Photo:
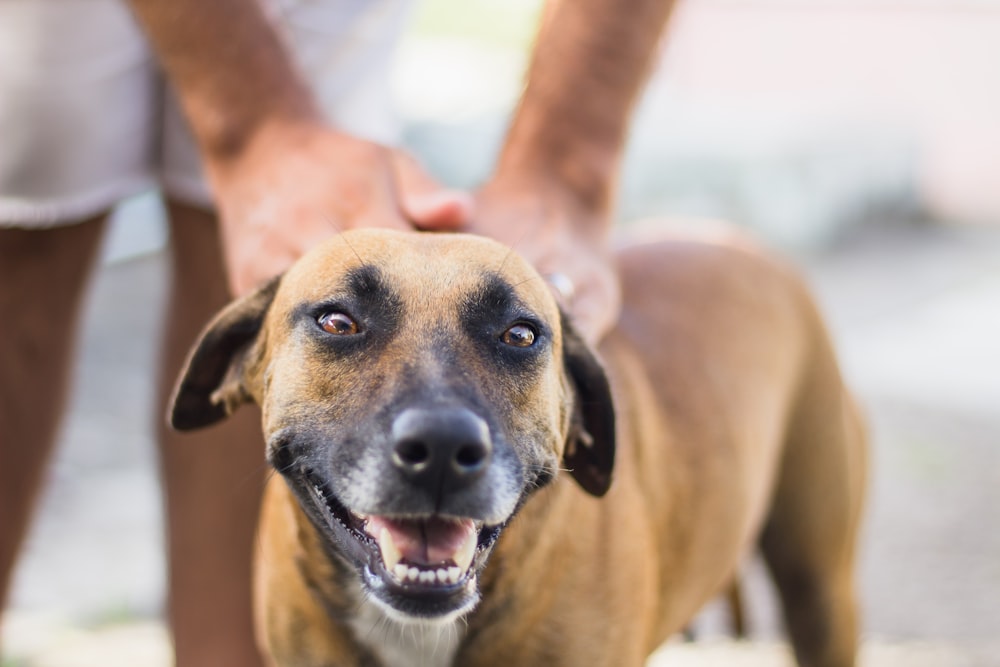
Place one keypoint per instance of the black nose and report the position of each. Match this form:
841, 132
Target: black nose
441, 449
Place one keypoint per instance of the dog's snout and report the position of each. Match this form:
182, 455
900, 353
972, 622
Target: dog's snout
441, 449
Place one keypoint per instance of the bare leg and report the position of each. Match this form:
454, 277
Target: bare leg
212, 478
43, 274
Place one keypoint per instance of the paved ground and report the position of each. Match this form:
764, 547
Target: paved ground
916, 314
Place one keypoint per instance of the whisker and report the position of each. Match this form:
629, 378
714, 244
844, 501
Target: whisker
437, 640
340, 232
402, 633
546, 468
386, 626
332, 224
286, 468
373, 627
527, 280
250, 476
514, 246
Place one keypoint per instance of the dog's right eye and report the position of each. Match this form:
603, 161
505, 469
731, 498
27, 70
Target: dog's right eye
338, 324
519, 335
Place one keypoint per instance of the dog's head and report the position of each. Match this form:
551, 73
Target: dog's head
415, 389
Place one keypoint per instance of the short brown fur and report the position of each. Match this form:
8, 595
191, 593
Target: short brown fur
734, 429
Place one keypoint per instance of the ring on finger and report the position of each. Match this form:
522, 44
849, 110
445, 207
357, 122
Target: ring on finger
562, 285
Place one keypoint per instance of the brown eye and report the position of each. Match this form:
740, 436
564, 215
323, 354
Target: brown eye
519, 335
338, 324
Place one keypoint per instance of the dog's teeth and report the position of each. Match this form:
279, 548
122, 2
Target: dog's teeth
321, 499
442, 575
391, 554
463, 556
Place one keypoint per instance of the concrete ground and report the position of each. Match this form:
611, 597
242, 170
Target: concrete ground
915, 311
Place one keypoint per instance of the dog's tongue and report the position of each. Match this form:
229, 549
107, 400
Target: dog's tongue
424, 542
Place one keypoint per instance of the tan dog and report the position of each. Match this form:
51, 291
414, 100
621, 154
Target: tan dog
443, 439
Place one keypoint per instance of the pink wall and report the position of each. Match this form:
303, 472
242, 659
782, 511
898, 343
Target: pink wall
929, 67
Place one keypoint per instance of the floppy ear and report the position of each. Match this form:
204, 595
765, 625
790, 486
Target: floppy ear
590, 447
211, 385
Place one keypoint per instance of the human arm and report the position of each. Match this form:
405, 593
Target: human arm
283, 179
552, 193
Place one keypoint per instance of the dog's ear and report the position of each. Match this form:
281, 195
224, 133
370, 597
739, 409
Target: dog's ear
211, 385
590, 447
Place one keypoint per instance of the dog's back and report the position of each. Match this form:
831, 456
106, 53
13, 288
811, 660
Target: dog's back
735, 431
750, 403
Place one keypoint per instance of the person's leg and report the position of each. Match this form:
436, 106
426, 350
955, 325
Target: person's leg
212, 478
43, 274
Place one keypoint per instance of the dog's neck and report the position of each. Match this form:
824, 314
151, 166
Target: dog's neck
403, 642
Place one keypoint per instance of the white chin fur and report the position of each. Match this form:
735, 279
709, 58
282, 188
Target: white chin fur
429, 642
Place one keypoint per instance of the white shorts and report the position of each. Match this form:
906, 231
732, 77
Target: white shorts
85, 119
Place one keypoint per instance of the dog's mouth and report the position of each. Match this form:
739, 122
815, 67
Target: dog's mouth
423, 566
432, 551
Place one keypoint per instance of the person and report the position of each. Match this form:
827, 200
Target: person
287, 145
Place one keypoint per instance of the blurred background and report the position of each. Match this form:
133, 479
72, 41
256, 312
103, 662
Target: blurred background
859, 137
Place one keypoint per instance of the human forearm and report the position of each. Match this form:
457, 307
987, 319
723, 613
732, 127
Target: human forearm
282, 178
228, 66
551, 194
590, 62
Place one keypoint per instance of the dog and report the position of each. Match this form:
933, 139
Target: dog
445, 444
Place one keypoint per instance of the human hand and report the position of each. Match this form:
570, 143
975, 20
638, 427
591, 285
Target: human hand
295, 185
566, 243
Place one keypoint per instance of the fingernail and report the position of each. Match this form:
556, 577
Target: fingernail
450, 205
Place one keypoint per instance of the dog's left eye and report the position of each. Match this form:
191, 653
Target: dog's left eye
338, 324
519, 335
